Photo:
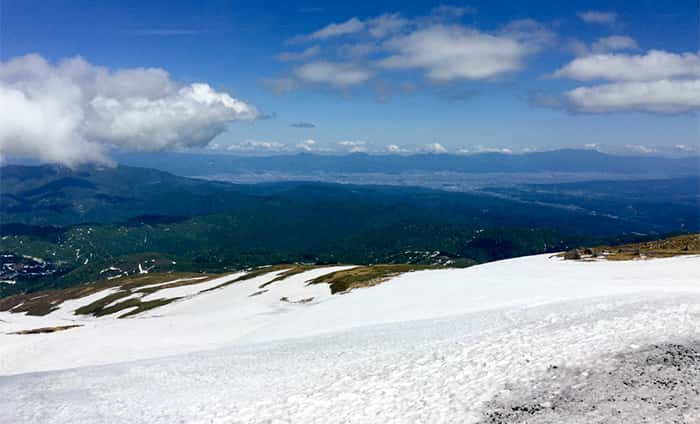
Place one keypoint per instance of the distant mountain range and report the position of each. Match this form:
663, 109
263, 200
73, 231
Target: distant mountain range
568, 161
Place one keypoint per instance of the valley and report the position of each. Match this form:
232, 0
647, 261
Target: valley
61, 227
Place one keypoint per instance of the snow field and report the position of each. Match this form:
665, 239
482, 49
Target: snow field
424, 347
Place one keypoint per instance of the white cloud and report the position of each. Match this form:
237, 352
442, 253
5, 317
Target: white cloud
436, 43
69, 112
614, 43
610, 44
598, 17
302, 124
578, 47
305, 54
686, 148
456, 52
352, 143
377, 27
350, 26
337, 74
654, 65
354, 146
484, 149
663, 96
395, 148
386, 24
434, 148
531, 34
257, 146
658, 81
638, 148
306, 145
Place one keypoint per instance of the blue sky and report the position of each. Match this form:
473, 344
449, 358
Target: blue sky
368, 84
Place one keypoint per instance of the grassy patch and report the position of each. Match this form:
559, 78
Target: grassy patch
688, 244
366, 276
293, 270
248, 275
44, 330
289, 270
144, 306
257, 272
135, 305
184, 281
99, 305
44, 302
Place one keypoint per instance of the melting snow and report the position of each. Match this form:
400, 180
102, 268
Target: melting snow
429, 346
190, 289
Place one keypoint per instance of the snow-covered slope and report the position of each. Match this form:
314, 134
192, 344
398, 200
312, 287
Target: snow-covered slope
201, 320
427, 346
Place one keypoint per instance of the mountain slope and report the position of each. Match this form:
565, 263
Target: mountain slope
61, 227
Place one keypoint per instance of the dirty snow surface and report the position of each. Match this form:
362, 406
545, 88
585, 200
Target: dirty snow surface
527, 340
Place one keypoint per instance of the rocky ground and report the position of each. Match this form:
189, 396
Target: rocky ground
654, 384
687, 244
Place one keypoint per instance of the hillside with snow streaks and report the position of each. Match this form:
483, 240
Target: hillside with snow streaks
453, 345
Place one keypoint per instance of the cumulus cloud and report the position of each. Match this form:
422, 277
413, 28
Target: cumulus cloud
350, 26
638, 148
257, 146
302, 124
378, 27
654, 65
386, 24
484, 149
686, 148
614, 43
436, 43
336, 74
354, 146
532, 35
598, 17
70, 112
306, 145
608, 44
658, 82
450, 52
663, 96
396, 149
434, 148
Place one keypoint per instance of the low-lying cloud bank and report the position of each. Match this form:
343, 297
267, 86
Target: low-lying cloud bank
72, 111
